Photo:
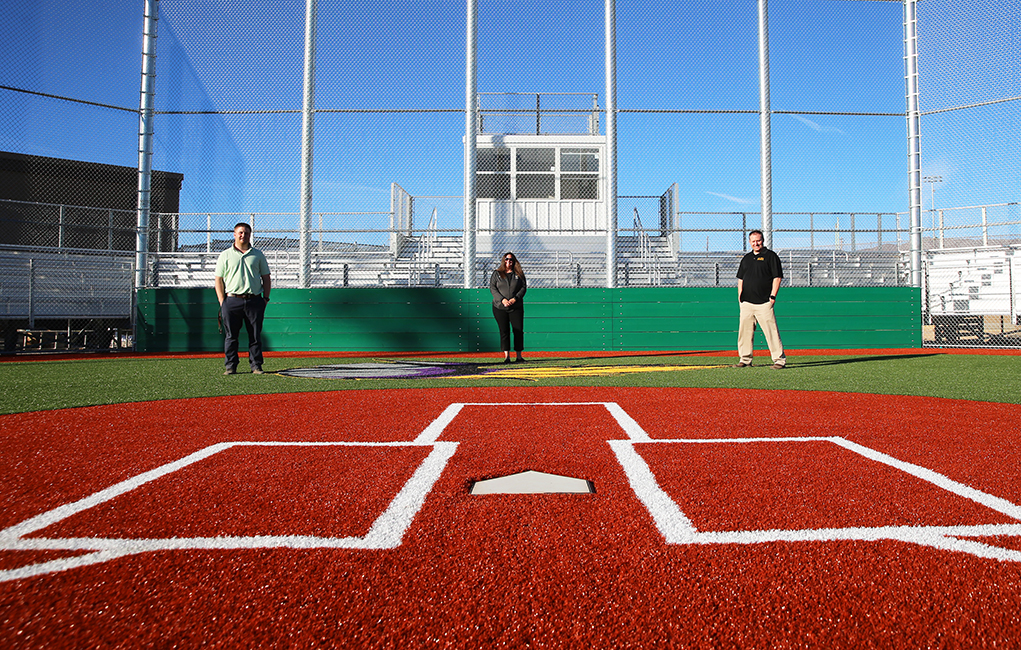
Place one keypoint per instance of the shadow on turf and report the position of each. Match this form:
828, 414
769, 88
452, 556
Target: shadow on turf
796, 364
838, 362
632, 355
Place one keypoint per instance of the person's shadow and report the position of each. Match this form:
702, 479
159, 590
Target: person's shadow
838, 362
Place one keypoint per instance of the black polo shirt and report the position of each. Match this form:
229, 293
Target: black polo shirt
758, 272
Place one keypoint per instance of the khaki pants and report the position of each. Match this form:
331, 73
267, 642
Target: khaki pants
764, 316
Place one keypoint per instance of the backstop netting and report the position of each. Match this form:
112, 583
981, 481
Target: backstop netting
386, 163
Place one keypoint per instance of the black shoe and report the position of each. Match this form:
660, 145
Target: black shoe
519, 359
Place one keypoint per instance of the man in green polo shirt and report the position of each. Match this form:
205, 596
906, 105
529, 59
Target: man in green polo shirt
242, 287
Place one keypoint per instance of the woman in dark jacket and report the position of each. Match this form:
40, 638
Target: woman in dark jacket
508, 288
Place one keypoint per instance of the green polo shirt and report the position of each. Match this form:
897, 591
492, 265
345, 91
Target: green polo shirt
242, 272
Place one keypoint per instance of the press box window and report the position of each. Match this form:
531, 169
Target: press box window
492, 180
536, 160
493, 186
536, 186
535, 177
579, 188
532, 173
579, 160
576, 186
493, 160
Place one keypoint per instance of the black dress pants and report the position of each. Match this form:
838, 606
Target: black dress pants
235, 311
506, 320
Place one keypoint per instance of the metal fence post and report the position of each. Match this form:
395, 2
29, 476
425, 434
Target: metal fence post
914, 138
611, 143
471, 125
307, 143
765, 159
31, 293
538, 114
60, 227
145, 133
985, 231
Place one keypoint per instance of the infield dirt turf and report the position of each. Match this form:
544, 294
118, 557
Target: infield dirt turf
232, 557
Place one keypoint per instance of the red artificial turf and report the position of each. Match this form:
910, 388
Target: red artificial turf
551, 571
247, 490
799, 485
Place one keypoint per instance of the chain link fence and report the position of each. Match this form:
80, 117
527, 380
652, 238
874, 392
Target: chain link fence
389, 129
970, 103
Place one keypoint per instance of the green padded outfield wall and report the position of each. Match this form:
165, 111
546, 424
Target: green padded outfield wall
461, 320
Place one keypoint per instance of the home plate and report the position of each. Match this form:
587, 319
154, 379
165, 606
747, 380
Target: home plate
532, 482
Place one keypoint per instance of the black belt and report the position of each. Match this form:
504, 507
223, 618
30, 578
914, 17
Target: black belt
246, 296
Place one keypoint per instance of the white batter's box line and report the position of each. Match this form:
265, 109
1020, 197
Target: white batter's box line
386, 532
435, 429
677, 528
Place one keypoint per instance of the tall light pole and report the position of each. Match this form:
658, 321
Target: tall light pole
932, 180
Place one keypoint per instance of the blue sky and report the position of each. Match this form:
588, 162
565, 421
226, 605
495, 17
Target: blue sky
826, 56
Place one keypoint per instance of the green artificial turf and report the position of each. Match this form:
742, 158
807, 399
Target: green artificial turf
44, 385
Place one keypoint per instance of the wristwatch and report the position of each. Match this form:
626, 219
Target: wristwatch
772, 297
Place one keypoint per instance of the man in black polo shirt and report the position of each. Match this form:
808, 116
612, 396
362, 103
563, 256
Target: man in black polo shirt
758, 280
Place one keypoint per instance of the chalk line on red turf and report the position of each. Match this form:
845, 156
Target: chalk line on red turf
388, 529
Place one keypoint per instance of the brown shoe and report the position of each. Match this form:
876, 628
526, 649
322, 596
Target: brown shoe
230, 371
741, 365
778, 366
258, 371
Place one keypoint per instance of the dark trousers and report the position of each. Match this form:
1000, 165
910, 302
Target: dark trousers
506, 320
234, 311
